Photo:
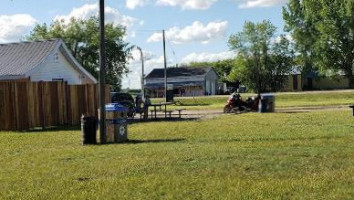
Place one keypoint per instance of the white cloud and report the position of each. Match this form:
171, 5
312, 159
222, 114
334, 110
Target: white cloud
261, 3
197, 32
184, 4
187, 4
133, 34
151, 61
208, 57
14, 27
136, 59
132, 4
88, 10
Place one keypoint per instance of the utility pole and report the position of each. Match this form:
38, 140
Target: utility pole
259, 79
102, 75
165, 63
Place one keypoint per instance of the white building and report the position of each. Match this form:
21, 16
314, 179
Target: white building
47, 60
186, 81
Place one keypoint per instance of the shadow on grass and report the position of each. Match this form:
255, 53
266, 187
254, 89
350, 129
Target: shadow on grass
54, 129
196, 104
292, 112
172, 119
154, 141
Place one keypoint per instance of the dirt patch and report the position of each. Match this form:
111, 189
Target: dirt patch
187, 115
311, 108
209, 114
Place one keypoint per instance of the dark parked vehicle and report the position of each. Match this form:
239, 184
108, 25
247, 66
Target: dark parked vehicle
126, 100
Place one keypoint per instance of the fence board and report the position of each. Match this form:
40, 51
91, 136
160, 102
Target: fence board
25, 105
4, 106
22, 116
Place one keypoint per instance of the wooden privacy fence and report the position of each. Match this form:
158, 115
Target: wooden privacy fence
25, 105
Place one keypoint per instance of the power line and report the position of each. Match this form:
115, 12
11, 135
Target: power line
173, 51
148, 31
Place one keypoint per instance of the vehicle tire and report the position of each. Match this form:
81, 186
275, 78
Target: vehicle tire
227, 109
235, 110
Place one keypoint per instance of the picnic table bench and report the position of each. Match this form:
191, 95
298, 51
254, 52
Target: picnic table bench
171, 111
159, 105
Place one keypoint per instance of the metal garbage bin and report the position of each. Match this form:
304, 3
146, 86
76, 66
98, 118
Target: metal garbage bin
88, 129
266, 103
169, 94
116, 123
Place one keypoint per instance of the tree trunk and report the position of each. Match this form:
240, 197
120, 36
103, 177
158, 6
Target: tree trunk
349, 75
350, 80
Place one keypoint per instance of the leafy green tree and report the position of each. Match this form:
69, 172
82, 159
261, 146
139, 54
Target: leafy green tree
330, 33
282, 64
336, 44
246, 71
302, 28
82, 38
222, 67
262, 61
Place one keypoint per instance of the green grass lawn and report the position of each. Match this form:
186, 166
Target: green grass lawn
248, 156
282, 100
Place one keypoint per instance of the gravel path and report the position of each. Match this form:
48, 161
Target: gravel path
207, 114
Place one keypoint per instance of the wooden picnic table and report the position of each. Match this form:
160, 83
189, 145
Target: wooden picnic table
159, 105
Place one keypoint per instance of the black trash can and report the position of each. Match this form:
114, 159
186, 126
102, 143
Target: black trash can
263, 104
88, 129
267, 103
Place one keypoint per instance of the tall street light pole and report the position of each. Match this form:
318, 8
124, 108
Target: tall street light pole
102, 74
142, 72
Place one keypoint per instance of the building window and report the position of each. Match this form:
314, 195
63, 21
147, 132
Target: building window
58, 80
56, 57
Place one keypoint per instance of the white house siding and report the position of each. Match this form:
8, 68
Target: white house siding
196, 85
187, 90
208, 87
56, 66
211, 79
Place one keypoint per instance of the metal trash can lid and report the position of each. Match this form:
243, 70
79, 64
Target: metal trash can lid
115, 107
267, 96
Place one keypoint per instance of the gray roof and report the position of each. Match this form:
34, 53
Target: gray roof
17, 59
179, 71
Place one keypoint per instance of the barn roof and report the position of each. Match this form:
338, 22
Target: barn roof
178, 71
19, 60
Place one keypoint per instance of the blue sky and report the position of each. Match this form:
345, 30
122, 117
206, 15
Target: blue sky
196, 30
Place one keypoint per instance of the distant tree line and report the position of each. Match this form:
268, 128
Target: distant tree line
262, 61
321, 40
323, 33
